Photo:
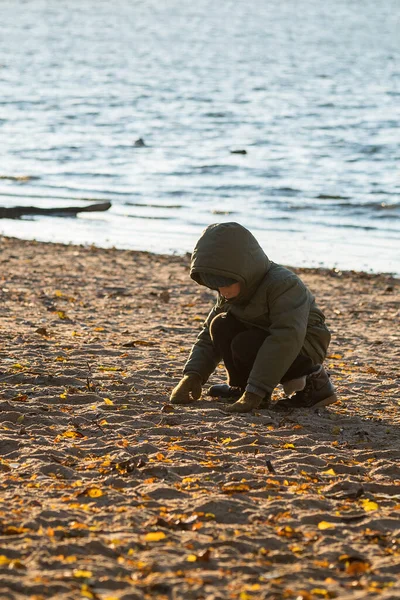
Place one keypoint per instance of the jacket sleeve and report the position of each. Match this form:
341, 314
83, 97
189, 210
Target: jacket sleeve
288, 306
203, 358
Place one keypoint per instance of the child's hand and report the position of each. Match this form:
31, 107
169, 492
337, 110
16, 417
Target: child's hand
189, 384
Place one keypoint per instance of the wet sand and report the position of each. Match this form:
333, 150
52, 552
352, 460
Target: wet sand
109, 492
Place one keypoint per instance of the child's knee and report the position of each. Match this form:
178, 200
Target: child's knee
218, 326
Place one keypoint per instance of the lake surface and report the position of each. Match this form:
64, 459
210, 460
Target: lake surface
310, 89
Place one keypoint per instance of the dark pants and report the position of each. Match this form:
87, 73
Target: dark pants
239, 346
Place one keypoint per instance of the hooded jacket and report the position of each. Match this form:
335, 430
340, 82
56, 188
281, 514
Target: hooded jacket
272, 298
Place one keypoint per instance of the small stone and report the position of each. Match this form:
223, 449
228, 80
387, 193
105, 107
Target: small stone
42, 331
165, 296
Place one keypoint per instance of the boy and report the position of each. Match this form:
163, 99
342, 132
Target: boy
265, 326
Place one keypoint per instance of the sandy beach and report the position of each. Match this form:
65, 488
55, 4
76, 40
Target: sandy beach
109, 492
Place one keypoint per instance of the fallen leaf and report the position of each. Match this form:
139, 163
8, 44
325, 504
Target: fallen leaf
92, 492
82, 573
20, 398
231, 488
329, 472
154, 536
134, 343
354, 565
321, 593
369, 505
203, 556
72, 434
326, 525
11, 530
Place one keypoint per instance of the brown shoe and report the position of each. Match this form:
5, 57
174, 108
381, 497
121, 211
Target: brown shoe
318, 391
245, 404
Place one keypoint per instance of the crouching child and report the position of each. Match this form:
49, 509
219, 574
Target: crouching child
265, 327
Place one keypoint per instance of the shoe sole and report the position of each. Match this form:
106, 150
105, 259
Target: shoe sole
330, 400
224, 395
286, 406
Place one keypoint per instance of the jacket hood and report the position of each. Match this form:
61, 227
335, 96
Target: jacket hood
230, 250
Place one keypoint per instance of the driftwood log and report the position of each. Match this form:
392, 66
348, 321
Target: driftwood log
16, 212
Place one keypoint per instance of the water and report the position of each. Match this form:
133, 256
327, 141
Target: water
310, 89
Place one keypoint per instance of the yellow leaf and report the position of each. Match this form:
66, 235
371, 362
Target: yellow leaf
85, 592
288, 446
94, 492
369, 505
226, 440
191, 558
321, 592
187, 480
329, 472
326, 525
61, 314
108, 401
230, 488
70, 559
81, 573
154, 536
254, 587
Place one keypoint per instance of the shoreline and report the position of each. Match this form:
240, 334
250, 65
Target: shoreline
108, 491
329, 271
